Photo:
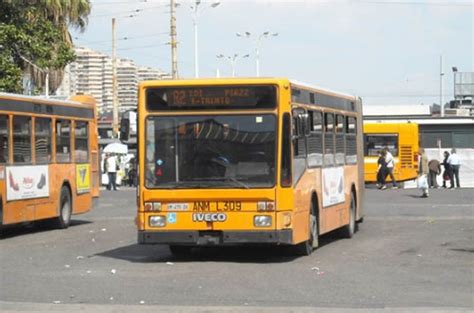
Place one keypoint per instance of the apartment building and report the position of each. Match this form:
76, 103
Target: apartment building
91, 73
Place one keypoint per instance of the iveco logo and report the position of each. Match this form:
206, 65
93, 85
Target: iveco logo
209, 217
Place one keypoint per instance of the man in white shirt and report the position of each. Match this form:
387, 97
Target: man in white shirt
455, 163
390, 165
111, 162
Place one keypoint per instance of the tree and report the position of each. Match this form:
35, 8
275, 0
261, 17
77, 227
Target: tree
36, 32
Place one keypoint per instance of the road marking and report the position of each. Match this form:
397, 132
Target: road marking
46, 307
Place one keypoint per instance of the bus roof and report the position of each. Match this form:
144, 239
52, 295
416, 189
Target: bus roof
323, 90
245, 80
13, 96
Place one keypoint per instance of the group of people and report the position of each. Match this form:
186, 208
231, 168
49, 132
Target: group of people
112, 166
451, 165
385, 165
429, 171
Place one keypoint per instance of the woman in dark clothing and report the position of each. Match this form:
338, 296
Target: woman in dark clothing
448, 173
381, 170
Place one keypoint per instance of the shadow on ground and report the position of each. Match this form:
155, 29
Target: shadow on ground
33, 228
235, 254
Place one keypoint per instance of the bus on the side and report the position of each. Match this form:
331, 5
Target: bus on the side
401, 139
48, 158
247, 161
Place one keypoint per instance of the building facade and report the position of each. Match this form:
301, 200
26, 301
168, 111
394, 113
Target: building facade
91, 73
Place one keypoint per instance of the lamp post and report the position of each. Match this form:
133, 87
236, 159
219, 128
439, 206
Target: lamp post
257, 41
196, 11
232, 59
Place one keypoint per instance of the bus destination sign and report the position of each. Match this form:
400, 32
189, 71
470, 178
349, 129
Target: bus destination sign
210, 97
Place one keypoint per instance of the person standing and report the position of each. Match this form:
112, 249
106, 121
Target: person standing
422, 180
132, 172
447, 169
112, 172
390, 161
434, 170
454, 163
381, 170
105, 169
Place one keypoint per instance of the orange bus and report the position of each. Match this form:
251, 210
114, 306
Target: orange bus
247, 161
401, 139
48, 158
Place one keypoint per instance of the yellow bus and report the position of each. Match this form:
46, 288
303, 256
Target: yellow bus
247, 161
48, 158
401, 139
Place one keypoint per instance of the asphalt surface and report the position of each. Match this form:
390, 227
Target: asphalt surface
410, 254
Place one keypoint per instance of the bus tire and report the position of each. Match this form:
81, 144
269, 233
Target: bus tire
349, 230
306, 247
65, 209
180, 251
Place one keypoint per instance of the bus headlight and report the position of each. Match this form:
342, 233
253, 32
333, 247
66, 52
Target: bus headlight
157, 221
262, 221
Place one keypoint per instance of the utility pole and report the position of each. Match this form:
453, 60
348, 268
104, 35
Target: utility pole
174, 44
115, 125
441, 74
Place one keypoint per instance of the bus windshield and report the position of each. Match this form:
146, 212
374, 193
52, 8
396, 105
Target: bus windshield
210, 151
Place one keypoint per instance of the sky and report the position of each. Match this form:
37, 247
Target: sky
387, 52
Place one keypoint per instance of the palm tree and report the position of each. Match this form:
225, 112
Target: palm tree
63, 14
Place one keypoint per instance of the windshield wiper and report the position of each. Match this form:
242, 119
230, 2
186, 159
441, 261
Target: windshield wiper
236, 181
222, 179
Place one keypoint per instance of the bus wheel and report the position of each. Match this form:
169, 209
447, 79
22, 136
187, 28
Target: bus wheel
306, 247
180, 251
349, 230
65, 209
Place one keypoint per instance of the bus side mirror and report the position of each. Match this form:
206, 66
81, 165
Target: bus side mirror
124, 129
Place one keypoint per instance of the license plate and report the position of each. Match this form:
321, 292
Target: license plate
216, 206
177, 206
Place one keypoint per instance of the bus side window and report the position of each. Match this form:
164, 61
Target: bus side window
351, 140
340, 151
21, 139
298, 134
329, 139
4, 137
315, 139
286, 175
81, 137
43, 140
63, 141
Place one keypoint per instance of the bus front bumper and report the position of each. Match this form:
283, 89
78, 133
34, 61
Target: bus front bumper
207, 238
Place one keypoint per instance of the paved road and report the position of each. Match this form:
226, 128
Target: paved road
409, 253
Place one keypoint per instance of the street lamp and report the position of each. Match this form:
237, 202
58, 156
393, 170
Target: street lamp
232, 59
257, 41
196, 11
